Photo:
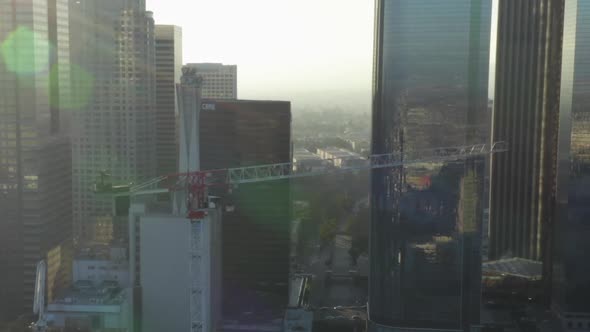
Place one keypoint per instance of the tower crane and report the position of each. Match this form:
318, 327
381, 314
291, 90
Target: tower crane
193, 187
196, 183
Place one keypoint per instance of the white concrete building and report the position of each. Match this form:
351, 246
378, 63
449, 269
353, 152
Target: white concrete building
219, 81
99, 299
91, 308
303, 160
342, 157
99, 270
168, 277
176, 267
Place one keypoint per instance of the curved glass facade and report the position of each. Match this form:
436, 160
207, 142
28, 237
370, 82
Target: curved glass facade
526, 108
430, 91
571, 270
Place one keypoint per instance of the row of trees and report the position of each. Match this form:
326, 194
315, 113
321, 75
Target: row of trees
358, 227
330, 200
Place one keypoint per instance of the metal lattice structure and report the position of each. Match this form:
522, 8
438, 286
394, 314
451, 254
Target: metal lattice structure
259, 173
195, 272
197, 183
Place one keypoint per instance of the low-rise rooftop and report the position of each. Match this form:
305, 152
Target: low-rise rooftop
84, 293
300, 154
517, 267
332, 152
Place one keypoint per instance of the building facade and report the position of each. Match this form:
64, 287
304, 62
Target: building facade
430, 90
219, 81
571, 270
177, 294
525, 108
114, 125
256, 221
85, 307
98, 269
35, 152
168, 71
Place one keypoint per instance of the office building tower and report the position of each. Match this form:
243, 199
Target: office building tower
168, 71
219, 81
571, 263
525, 115
430, 90
169, 292
114, 126
255, 232
35, 152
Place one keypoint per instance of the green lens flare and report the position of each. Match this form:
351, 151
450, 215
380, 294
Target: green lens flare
25, 51
265, 206
79, 93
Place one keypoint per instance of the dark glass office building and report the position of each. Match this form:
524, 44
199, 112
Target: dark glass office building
430, 90
35, 152
571, 266
256, 221
526, 108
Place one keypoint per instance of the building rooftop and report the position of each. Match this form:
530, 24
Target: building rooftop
298, 320
341, 153
300, 154
243, 101
84, 293
356, 136
340, 313
236, 326
101, 252
517, 267
208, 65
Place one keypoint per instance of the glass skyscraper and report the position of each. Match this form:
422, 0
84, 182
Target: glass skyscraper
168, 40
255, 233
430, 90
526, 107
35, 152
115, 120
571, 267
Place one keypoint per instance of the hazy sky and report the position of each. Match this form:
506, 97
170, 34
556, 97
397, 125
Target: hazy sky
307, 51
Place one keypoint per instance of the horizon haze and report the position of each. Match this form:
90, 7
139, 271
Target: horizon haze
311, 47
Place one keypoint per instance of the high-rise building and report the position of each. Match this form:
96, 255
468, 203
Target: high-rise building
114, 126
169, 292
168, 71
35, 152
219, 81
571, 263
430, 86
525, 114
255, 232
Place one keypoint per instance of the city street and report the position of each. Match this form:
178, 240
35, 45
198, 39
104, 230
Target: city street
338, 291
